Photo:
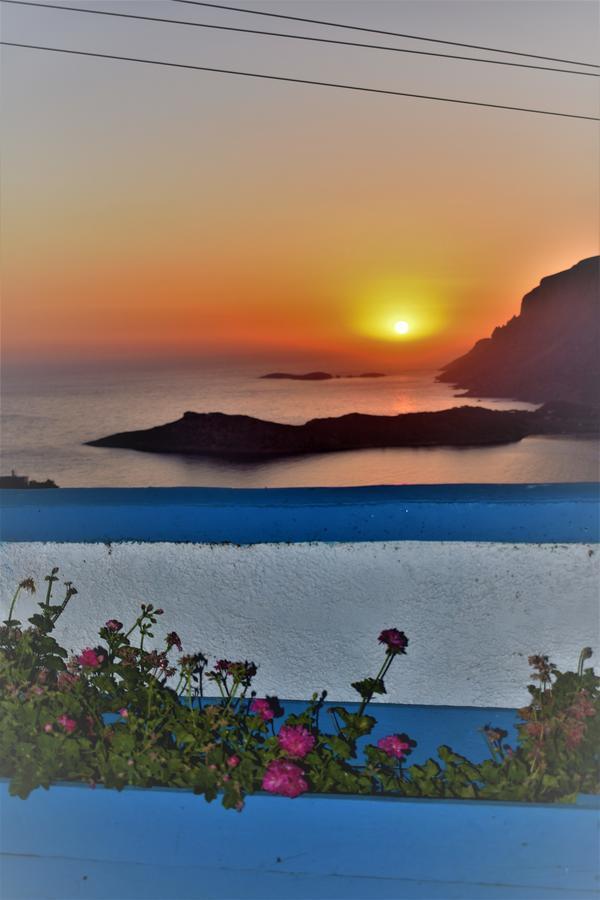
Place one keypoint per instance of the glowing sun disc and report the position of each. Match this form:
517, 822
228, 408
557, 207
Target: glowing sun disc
401, 327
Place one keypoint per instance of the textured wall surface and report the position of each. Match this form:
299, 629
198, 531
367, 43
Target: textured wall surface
310, 613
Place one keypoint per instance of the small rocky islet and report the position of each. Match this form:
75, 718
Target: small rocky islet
318, 376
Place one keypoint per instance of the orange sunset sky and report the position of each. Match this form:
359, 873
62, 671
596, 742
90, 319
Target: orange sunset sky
151, 213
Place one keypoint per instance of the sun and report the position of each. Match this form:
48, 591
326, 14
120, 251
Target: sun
401, 327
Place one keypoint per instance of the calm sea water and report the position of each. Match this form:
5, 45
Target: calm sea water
47, 418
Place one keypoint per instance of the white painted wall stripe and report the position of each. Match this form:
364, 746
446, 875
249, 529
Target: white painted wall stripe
310, 614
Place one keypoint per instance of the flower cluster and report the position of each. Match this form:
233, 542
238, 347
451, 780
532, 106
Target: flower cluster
173, 640
542, 668
266, 708
91, 659
242, 672
285, 778
127, 713
295, 740
397, 745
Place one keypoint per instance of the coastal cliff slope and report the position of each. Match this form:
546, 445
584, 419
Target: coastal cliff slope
550, 351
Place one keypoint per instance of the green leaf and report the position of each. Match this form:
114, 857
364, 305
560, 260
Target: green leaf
368, 687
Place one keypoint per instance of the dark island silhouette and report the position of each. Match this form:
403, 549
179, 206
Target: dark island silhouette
229, 436
550, 351
319, 376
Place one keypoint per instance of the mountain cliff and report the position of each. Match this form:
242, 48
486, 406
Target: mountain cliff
550, 351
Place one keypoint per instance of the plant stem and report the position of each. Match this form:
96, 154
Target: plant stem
57, 615
135, 625
386, 664
585, 654
12, 605
149, 702
51, 581
232, 693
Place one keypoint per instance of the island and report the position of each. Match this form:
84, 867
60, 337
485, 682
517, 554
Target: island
549, 351
307, 376
238, 436
319, 376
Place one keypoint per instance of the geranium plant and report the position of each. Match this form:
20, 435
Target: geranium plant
125, 712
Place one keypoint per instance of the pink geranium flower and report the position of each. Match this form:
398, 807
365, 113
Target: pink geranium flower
48, 727
68, 724
124, 713
395, 641
397, 745
296, 740
113, 625
89, 658
285, 778
233, 761
263, 709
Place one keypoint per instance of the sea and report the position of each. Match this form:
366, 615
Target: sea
46, 418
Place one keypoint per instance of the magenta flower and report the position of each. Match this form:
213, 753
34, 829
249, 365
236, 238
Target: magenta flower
68, 724
233, 761
48, 727
124, 713
263, 709
285, 778
90, 659
113, 625
395, 641
397, 745
296, 740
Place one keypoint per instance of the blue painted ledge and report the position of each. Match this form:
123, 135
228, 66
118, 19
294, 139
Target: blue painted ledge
553, 513
71, 842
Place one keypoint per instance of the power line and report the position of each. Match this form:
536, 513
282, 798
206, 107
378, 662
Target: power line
297, 37
290, 80
413, 37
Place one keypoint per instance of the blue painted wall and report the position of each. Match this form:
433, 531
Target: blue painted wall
154, 844
458, 727
556, 513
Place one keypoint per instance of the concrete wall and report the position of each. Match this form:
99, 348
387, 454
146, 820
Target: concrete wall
310, 613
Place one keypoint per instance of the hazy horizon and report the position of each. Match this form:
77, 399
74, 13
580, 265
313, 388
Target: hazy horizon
155, 215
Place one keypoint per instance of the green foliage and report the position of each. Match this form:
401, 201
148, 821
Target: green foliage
122, 714
559, 739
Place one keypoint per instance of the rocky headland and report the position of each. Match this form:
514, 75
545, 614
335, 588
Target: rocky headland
550, 351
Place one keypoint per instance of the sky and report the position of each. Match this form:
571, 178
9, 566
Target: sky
156, 214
